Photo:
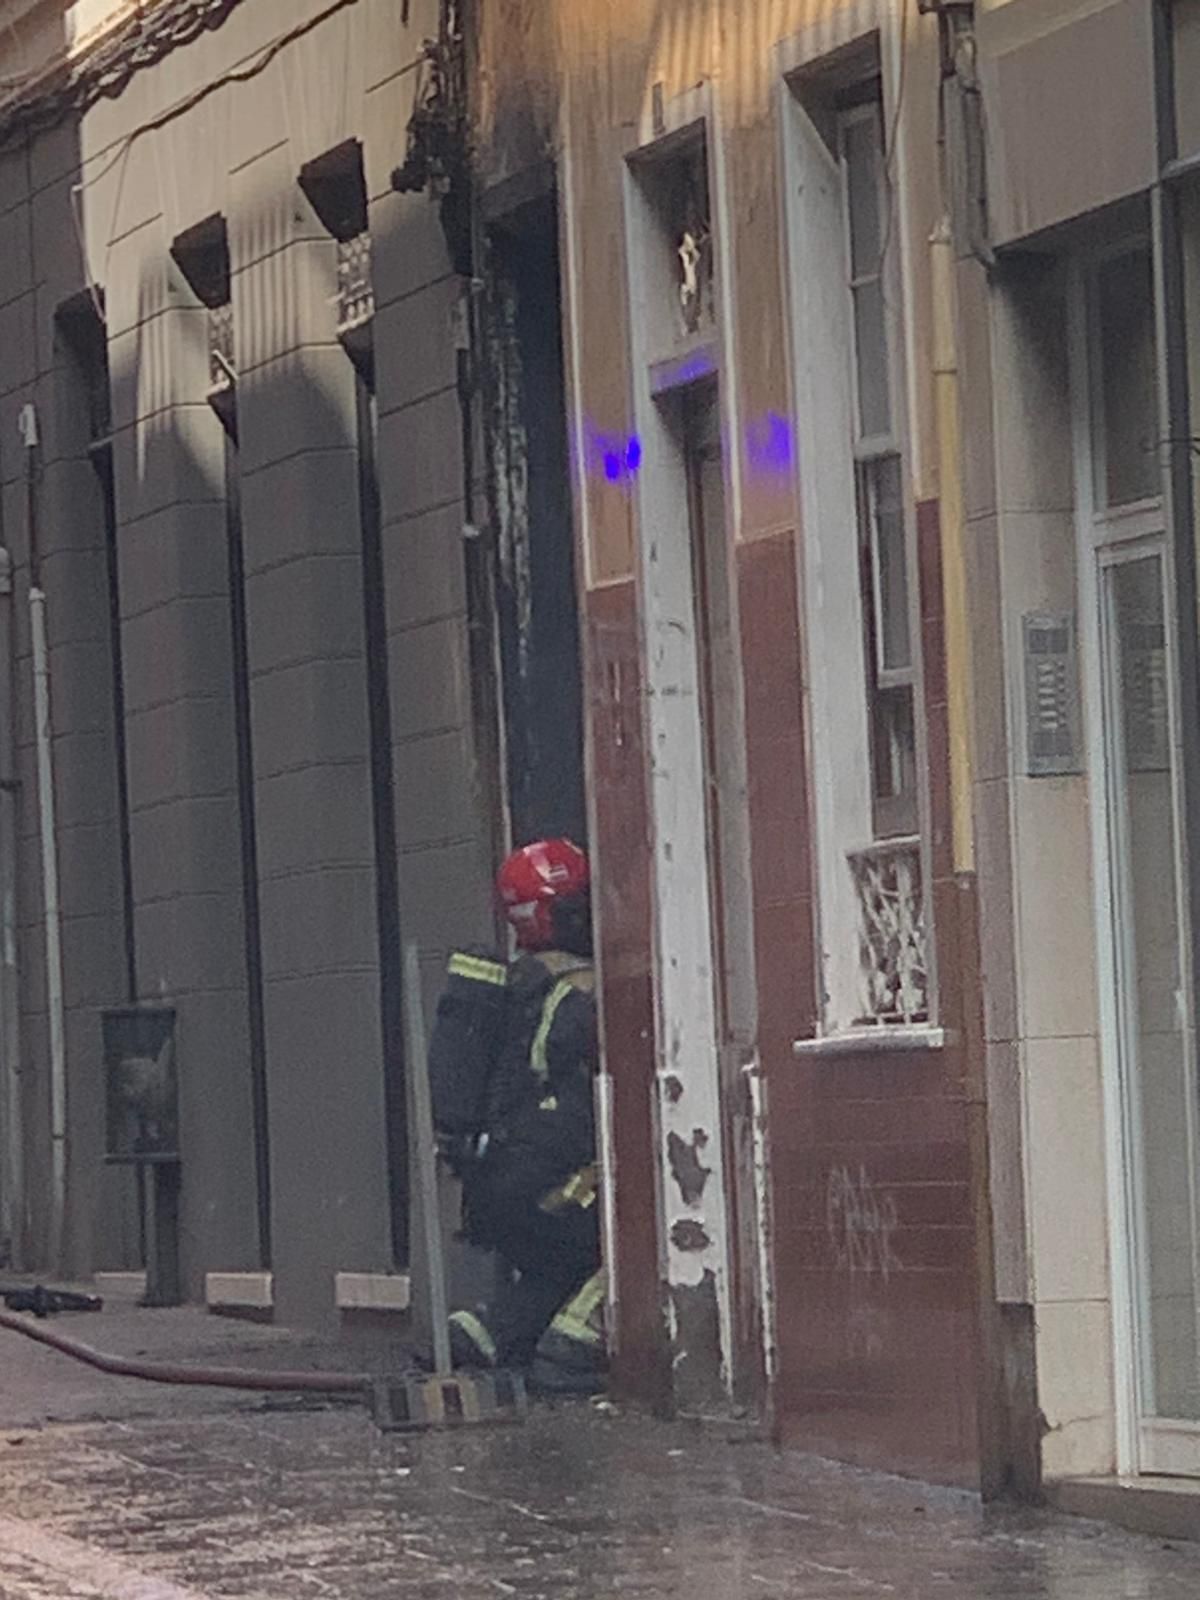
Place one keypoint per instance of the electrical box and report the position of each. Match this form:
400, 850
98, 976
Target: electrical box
141, 1085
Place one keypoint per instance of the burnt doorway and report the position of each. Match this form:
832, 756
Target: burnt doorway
529, 479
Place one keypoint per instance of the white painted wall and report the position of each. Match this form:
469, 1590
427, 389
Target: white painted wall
689, 1102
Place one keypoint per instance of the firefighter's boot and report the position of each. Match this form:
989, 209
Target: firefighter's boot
570, 1357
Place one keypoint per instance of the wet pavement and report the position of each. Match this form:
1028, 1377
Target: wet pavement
267, 1501
39, 1385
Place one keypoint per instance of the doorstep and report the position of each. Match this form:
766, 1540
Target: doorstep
1163, 1508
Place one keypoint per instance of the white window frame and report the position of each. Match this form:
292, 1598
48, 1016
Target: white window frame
869, 447
871, 451
832, 449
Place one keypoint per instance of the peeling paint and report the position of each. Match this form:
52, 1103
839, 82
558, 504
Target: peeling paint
690, 1234
673, 1089
687, 1169
696, 1345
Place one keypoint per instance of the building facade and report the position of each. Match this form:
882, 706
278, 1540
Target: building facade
751, 438
880, 369
237, 497
1078, 367
765, 455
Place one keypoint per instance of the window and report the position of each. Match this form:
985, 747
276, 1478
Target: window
882, 527
859, 589
1125, 404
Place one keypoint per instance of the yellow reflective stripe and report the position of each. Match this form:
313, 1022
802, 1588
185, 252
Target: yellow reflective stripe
591, 1297
478, 970
579, 1189
571, 1328
574, 1320
467, 1322
537, 1052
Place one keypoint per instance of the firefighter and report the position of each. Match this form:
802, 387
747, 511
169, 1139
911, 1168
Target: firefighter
512, 1061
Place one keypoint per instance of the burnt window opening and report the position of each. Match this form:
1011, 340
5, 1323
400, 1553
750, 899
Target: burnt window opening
684, 211
681, 256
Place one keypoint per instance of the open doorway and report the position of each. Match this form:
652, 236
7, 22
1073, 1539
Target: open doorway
530, 489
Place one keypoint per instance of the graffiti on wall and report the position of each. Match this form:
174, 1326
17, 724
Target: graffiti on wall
861, 1221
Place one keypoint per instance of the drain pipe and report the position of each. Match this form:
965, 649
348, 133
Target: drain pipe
955, 597
43, 737
12, 1176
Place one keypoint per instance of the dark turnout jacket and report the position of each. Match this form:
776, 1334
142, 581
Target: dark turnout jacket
511, 1063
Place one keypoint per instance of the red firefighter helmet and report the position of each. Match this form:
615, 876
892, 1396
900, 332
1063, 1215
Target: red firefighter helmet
532, 879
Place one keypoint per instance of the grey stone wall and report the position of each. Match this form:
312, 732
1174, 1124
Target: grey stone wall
238, 151
41, 269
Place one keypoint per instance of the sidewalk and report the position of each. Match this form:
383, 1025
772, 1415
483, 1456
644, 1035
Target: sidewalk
39, 1386
179, 1495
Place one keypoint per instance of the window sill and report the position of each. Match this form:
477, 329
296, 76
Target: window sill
880, 1041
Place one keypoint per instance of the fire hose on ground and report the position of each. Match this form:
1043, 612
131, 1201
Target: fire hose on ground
401, 1404
328, 1383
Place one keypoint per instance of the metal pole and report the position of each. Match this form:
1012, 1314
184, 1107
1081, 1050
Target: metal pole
956, 602
424, 1160
51, 908
43, 732
12, 1171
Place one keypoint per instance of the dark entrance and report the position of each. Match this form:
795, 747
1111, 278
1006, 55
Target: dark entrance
529, 478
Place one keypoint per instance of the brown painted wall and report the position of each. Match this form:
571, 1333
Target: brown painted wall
872, 1156
874, 1256
871, 1162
